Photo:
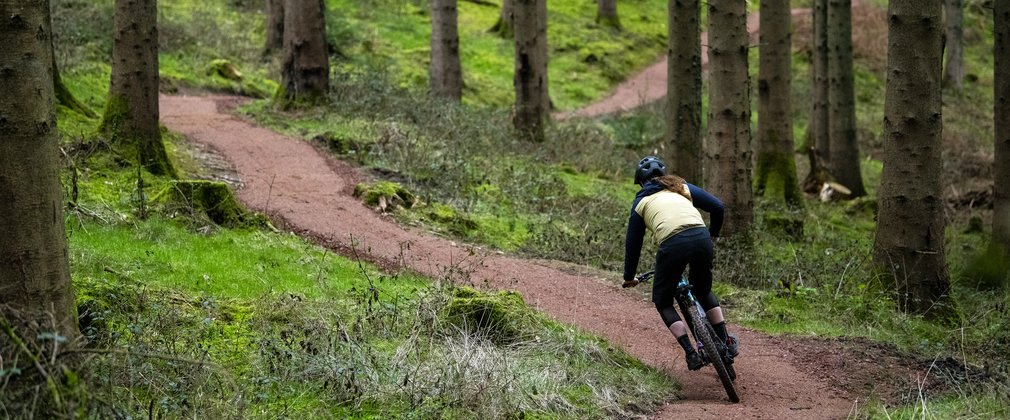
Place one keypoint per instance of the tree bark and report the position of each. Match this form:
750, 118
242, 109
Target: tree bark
954, 76
606, 13
275, 26
131, 114
683, 89
505, 27
729, 137
819, 129
306, 68
776, 168
909, 242
844, 148
1001, 163
532, 100
35, 291
444, 72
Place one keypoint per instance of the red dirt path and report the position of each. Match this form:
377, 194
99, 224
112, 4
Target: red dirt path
649, 85
289, 179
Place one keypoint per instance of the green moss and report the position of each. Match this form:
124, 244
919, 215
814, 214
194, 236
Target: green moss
775, 178
210, 199
502, 318
116, 111
66, 98
385, 194
224, 68
987, 270
785, 224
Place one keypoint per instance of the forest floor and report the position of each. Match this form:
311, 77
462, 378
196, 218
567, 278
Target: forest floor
310, 193
649, 85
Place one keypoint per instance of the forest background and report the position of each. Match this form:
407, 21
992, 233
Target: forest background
152, 315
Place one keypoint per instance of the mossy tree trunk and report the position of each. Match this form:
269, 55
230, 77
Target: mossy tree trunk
683, 89
275, 26
35, 291
306, 69
953, 77
729, 136
818, 129
844, 161
131, 114
776, 168
606, 14
532, 101
444, 72
504, 26
1001, 163
65, 97
909, 244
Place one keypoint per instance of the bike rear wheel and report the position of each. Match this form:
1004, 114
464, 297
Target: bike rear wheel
703, 334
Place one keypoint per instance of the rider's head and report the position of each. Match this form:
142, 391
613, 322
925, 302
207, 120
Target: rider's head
649, 167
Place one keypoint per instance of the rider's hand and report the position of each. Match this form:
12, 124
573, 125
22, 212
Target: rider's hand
630, 283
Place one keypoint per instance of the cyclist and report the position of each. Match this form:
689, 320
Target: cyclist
668, 207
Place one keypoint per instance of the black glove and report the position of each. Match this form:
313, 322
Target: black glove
630, 283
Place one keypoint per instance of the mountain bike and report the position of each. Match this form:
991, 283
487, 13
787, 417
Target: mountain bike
712, 350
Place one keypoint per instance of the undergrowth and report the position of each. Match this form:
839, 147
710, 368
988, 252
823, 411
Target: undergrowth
565, 199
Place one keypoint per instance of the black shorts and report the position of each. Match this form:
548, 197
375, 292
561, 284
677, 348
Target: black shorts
692, 247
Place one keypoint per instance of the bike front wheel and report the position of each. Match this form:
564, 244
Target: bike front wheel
704, 335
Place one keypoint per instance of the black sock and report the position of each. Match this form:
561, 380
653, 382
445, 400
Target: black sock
720, 330
685, 343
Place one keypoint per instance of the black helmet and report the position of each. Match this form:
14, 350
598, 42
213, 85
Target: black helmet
649, 167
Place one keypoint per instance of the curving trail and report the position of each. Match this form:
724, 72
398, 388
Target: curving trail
649, 85
289, 179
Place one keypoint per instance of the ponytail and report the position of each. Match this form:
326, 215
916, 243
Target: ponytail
675, 184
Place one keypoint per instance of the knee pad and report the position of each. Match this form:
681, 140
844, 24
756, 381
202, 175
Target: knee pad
668, 314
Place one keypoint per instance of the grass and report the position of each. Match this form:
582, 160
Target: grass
266, 324
185, 318
564, 199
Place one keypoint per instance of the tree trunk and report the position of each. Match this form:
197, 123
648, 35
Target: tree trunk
306, 69
1001, 163
909, 240
683, 89
819, 129
729, 137
444, 71
65, 97
606, 13
505, 27
131, 114
844, 148
35, 291
776, 168
275, 26
532, 100
954, 76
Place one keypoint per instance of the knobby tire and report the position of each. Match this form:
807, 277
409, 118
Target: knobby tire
707, 340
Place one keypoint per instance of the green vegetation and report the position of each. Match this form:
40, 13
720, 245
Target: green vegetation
192, 305
586, 60
219, 321
570, 195
254, 322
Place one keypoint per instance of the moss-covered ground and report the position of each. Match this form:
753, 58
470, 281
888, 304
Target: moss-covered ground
295, 330
185, 317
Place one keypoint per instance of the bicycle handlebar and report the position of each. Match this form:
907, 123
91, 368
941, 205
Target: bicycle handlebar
645, 277
648, 275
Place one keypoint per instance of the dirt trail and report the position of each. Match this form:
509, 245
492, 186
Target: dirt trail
290, 179
649, 85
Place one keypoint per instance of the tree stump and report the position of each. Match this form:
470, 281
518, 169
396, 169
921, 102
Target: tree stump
207, 199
